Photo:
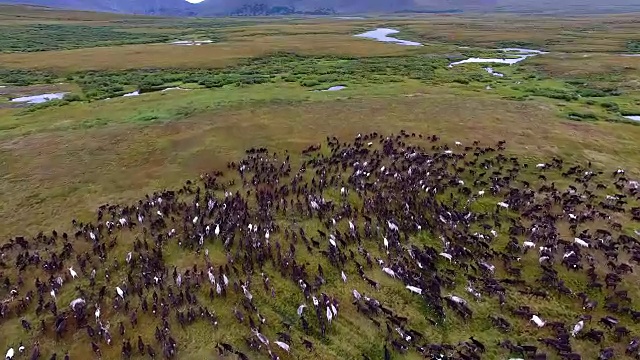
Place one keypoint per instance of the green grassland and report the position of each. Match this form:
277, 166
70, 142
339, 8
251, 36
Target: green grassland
254, 86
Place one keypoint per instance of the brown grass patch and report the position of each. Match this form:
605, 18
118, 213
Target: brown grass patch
565, 65
205, 56
11, 14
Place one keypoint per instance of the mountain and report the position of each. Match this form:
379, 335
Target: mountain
239, 7
326, 7
146, 7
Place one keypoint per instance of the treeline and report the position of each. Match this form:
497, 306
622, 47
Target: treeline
261, 9
418, 11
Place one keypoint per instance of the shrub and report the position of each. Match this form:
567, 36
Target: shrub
45, 105
25, 77
45, 37
518, 44
554, 93
72, 97
633, 46
611, 106
309, 83
574, 115
595, 92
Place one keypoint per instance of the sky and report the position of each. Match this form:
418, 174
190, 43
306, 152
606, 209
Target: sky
194, 1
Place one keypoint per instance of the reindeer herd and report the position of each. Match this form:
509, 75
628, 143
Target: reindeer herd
459, 228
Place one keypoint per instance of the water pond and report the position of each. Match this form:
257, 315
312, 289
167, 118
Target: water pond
191, 42
173, 88
39, 99
333, 88
519, 53
493, 72
382, 34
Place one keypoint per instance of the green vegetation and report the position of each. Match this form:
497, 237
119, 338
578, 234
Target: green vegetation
321, 72
598, 92
308, 71
25, 77
550, 93
520, 44
633, 46
46, 37
573, 115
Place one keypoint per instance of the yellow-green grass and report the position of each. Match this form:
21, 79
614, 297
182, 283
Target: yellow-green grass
53, 175
81, 155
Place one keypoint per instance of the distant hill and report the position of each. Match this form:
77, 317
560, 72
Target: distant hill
146, 7
225, 7
330, 7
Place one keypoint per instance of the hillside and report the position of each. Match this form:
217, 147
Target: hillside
218, 7
153, 7
285, 7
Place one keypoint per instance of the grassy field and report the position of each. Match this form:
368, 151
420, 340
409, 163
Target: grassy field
254, 86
